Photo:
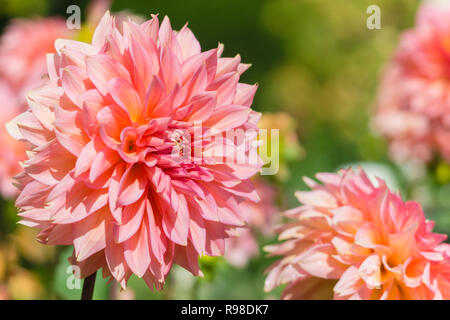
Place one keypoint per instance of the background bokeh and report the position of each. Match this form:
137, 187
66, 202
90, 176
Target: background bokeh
315, 61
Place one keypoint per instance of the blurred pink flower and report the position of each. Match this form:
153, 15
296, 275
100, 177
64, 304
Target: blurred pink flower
13, 151
23, 50
414, 95
261, 217
360, 241
242, 246
110, 171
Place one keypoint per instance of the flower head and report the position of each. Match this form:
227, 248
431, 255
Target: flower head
414, 104
361, 241
120, 167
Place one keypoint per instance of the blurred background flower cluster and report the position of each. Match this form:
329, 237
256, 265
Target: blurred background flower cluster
318, 68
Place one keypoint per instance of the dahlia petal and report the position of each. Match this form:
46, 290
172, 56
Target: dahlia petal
228, 117
132, 186
368, 237
215, 243
189, 187
197, 82
104, 160
73, 81
92, 103
319, 263
412, 272
192, 64
115, 260
132, 216
320, 198
102, 68
245, 94
137, 253
404, 242
370, 271
156, 235
242, 67
113, 192
134, 33
62, 187
347, 219
176, 223
203, 106
27, 127
50, 164
66, 130
165, 32
126, 97
226, 65
165, 106
82, 47
207, 207
342, 247
35, 214
171, 74
85, 158
33, 194
187, 258
60, 235
112, 47
245, 190
104, 28
153, 95
89, 235
228, 209
112, 120
151, 28
69, 56
81, 205
146, 66
225, 86
188, 42
52, 66
197, 232
42, 101
349, 283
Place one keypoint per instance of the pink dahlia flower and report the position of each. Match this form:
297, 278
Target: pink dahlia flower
13, 151
120, 167
414, 100
357, 240
261, 217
